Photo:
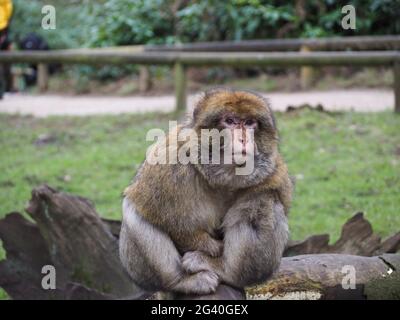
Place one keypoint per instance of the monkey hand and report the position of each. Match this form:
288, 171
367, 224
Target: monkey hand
195, 261
211, 247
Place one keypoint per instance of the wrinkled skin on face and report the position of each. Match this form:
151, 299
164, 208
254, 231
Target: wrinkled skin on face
249, 136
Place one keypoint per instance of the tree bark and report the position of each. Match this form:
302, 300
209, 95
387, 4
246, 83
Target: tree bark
69, 235
323, 277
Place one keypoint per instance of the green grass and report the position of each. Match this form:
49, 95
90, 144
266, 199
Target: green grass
348, 162
344, 163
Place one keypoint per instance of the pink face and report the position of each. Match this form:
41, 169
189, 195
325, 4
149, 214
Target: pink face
242, 141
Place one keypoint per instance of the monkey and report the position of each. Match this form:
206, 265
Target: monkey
186, 228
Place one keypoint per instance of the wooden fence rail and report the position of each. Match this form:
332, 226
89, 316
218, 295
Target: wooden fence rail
389, 42
307, 73
181, 60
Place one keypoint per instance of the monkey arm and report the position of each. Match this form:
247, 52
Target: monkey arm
254, 239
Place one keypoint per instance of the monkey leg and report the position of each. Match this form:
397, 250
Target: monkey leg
152, 260
252, 250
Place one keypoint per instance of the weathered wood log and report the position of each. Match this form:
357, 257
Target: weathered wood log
68, 234
324, 276
357, 238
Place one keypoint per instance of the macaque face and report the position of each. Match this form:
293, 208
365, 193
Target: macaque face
240, 142
249, 138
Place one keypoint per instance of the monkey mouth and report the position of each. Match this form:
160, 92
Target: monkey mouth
240, 159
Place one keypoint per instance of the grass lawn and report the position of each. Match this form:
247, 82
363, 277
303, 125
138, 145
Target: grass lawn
343, 162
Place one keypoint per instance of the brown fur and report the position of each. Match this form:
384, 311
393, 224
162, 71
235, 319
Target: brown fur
185, 203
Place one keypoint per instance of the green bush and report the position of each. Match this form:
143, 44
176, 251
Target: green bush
73, 22
124, 22
104, 23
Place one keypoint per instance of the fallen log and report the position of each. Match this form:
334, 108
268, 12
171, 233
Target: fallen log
68, 234
357, 237
330, 276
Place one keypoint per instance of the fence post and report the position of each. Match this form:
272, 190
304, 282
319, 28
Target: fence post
180, 87
42, 77
144, 79
307, 73
396, 73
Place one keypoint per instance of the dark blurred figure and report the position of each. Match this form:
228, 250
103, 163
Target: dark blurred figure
6, 10
34, 41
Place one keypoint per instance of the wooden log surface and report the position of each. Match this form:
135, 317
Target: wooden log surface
321, 277
67, 233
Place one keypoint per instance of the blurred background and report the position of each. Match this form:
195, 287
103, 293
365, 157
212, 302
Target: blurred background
108, 23
338, 131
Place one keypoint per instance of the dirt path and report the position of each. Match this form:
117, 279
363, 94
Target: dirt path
47, 105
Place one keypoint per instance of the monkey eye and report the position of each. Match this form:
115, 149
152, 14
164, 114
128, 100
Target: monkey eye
229, 121
249, 122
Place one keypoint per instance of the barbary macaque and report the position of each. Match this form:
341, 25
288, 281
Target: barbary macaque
189, 227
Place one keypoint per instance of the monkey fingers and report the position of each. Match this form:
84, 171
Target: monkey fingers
212, 247
201, 283
196, 261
